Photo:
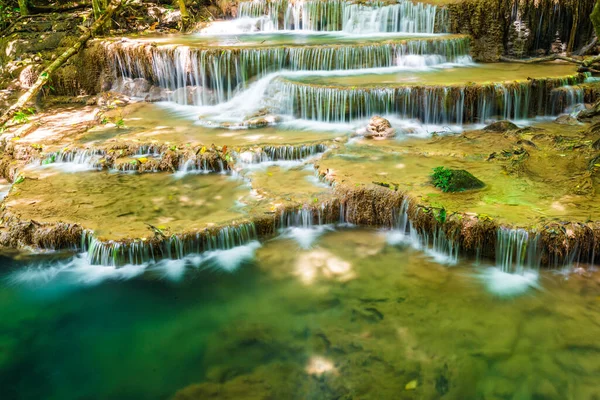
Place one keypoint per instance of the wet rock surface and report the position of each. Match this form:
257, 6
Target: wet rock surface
455, 180
379, 128
501, 127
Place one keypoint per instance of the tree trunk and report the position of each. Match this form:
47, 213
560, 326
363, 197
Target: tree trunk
183, 9
23, 8
45, 75
185, 16
571, 42
542, 59
595, 17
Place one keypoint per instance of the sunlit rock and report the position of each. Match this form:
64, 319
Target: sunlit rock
378, 128
501, 127
321, 263
319, 365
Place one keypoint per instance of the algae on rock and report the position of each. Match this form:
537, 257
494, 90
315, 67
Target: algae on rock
454, 180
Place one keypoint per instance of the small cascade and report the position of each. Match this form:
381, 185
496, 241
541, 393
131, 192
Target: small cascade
430, 105
339, 15
302, 218
137, 252
199, 76
281, 153
89, 159
435, 244
567, 98
518, 258
304, 225
199, 165
517, 250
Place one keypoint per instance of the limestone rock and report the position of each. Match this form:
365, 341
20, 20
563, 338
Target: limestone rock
191, 94
378, 128
28, 76
157, 94
566, 119
138, 87
501, 126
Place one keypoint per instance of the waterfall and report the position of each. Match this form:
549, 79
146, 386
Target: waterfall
112, 253
207, 76
200, 165
567, 98
303, 218
430, 105
517, 250
337, 15
435, 244
304, 225
85, 158
281, 153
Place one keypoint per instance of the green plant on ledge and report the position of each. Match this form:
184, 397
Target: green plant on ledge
441, 178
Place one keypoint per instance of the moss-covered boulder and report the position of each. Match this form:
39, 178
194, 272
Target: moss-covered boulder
454, 180
501, 126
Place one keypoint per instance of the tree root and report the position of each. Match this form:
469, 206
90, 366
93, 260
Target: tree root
542, 59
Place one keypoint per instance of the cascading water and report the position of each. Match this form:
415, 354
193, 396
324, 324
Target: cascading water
200, 76
173, 248
518, 258
304, 225
281, 153
335, 15
436, 244
517, 250
429, 104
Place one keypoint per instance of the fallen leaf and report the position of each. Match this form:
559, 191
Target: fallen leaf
412, 385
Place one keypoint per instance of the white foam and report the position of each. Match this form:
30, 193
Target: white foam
77, 271
231, 259
305, 236
173, 270
398, 238
506, 284
239, 26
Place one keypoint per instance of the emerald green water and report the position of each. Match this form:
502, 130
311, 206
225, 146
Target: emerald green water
351, 318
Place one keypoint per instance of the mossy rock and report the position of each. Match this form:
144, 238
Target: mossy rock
501, 126
455, 180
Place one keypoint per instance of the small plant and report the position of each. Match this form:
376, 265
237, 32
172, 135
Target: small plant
441, 178
22, 116
50, 160
120, 123
19, 179
441, 215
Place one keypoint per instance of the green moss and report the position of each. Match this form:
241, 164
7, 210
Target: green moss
454, 180
595, 17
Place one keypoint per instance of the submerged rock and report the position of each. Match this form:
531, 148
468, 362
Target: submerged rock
193, 95
501, 126
157, 93
455, 180
378, 128
132, 87
566, 119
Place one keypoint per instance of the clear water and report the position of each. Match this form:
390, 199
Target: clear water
349, 317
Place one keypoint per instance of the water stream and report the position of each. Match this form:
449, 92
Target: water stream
350, 315
234, 279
